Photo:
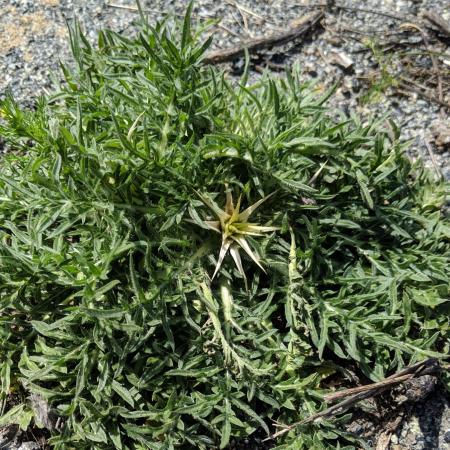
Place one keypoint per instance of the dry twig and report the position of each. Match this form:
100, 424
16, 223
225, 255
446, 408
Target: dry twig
253, 45
355, 395
418, 369
136, 10
153, 10
351, 8
408, 85
433, 58
243, 9
438, 22
371, 11
433, 159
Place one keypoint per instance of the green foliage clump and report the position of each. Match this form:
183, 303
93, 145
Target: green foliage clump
107, 307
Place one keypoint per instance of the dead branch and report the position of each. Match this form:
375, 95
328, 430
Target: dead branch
433, 57
433, 159
363, 392
408, 86
254, 45
246, 10
350, 8
421, 368
438, 22
370, 11
381, 384
153, 11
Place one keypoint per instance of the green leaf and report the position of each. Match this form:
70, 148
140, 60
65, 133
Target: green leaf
123, 392
186, 37
429, 298
13, 416
247, 410
226, 426
103, 313
194, 373
105, 288
364, 189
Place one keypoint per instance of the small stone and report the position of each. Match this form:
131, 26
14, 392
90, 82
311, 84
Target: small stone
447, 437
340, 59
29, 446
440, 131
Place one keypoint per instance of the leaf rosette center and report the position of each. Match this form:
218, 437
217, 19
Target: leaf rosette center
234, 227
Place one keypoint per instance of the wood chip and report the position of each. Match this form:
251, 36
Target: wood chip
340, 59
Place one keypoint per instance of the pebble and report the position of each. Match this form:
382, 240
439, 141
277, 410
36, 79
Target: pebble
428, 427
29, 446
447, 437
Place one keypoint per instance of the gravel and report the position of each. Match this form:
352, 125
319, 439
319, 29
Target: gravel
427, 428
34, 37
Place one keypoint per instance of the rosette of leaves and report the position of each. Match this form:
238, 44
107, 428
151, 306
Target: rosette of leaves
106, 308
234, 228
